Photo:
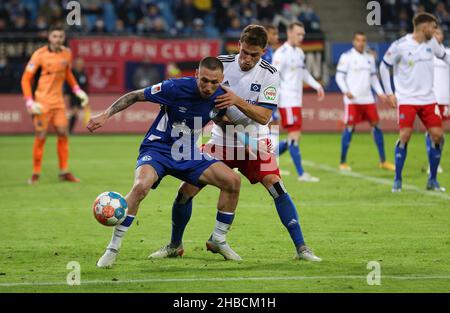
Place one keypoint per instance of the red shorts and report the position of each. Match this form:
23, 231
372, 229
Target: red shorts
445, 111
429, 114
291, 118
236, 157
357, 113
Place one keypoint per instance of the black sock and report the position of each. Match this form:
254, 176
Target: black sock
72, 121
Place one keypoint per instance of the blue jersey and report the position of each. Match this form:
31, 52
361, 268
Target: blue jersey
181, 103
182, 116
268, 55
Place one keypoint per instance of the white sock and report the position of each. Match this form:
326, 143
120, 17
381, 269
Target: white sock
220, 231
118, 233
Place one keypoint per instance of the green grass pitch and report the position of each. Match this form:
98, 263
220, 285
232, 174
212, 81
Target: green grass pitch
347, 220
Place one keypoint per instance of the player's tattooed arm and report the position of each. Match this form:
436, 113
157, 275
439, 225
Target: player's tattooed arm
119, 105
125, 101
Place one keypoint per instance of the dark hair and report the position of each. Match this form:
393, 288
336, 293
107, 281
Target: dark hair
211, 63
296, 23
422, 18
270, 26
54, 27
358, 34
254, 35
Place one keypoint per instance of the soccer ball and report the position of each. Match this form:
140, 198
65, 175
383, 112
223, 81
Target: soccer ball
110, 208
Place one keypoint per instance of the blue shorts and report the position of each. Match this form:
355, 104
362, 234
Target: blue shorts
164, 164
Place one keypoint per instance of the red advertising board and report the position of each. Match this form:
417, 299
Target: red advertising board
105, 58
325, 116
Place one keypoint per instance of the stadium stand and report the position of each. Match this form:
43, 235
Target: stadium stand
397, 15
203, 18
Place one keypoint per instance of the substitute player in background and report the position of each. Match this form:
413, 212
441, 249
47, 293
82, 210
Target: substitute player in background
47, 107
187, 105
289, 59
412, 60
253, 93
356, 75
441, 88
272, 44
75, 102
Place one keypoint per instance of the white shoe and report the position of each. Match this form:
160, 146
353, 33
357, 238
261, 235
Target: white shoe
167, 252
306, 177
284, 173
304, 253
439, 170
108, 258
222, 248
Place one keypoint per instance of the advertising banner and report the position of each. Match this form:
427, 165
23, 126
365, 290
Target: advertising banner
324, 116
123, 63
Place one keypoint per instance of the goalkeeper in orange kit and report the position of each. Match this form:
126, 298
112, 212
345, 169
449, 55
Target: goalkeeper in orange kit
48, 107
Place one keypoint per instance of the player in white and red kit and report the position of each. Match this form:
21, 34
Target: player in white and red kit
412, 59
289, 59
441, 88
356, 76
252, 86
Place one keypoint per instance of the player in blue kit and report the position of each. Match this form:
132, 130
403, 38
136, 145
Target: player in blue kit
168, 148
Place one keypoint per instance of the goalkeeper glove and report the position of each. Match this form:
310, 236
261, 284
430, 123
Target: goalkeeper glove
81, 95
33, 107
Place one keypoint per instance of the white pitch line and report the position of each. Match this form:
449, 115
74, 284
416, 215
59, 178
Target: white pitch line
381, 181
227, 279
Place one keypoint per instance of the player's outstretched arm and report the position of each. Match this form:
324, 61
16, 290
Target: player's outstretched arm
259, 114
119, 105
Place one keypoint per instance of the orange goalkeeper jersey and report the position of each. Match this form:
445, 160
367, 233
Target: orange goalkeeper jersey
56, 67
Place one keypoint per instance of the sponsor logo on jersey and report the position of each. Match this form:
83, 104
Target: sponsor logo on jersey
156, 88
270, 93
429, 50
146, 158
255, 87
226, 84
30, 66
182, 109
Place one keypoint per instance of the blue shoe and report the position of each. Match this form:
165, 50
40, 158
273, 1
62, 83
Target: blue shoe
434, 185
397, 187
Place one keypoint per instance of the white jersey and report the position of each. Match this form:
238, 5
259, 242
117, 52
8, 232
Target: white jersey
357, 73
258, 86
441, 85
290, 62
413, 64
